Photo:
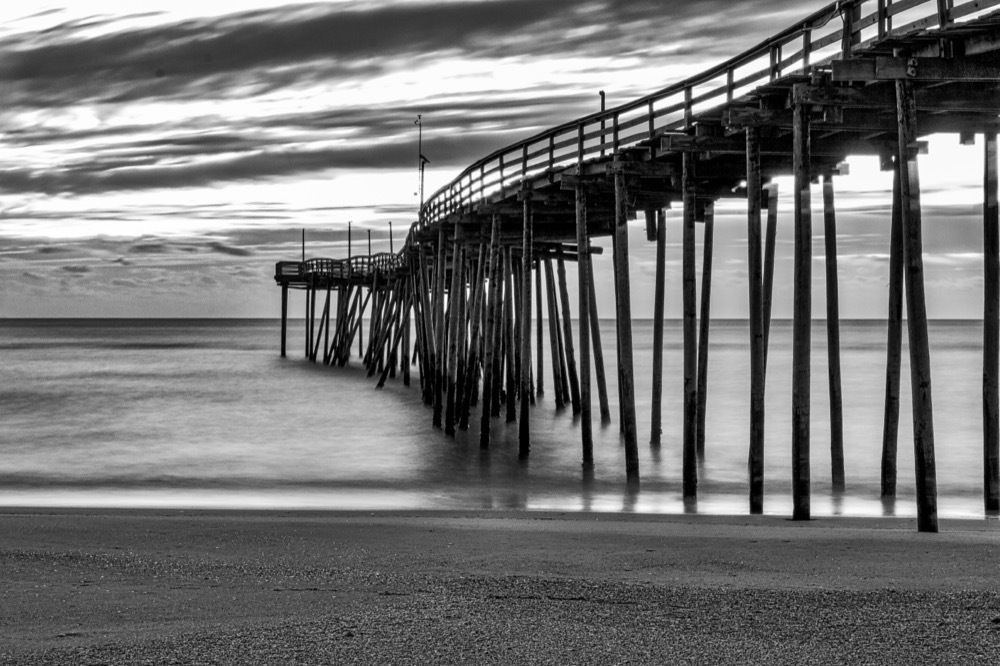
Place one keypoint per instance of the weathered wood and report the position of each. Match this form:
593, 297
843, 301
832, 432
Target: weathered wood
916, 313
833, 338
524, 427
455, 323
656, 417
595, 334
991, 329
440, 337
690, 411
555, 341
490, 335
583, 279
574, 381
284, 318
510, 337
703, 327
475, 324
755, 464
770, 238
539, 333
802, 317
626, 379
894, 68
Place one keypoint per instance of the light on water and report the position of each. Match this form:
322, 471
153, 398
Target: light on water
204, 414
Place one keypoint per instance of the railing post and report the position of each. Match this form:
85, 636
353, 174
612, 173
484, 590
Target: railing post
806, 49
944, 12
687, 107
729, 85
552, 151
614, 135
881, 20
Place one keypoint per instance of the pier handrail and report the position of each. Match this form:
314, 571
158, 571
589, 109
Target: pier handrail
812, 42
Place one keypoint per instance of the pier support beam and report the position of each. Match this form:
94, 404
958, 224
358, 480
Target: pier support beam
284, 318
770, 238
802, 316
574, 382
991, 329
656, 418
690, 452
916, 311
490, 334
894, 342
524, 432
755, 464
833, 338
704, 322
595, 334
583, 278
626, 379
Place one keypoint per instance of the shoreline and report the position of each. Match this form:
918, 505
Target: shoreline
224, 586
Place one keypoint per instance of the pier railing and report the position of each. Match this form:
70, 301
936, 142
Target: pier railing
834, 32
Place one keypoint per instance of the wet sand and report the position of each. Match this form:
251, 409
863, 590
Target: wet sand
129, 587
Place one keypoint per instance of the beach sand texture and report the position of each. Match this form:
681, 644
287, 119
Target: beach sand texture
128, 587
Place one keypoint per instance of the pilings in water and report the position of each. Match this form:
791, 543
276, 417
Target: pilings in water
991, 327
755, 463
690, 412
802, 313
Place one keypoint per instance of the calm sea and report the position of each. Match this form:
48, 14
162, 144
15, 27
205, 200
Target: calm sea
165, 413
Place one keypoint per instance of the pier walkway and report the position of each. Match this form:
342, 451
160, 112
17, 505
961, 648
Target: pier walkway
859, 77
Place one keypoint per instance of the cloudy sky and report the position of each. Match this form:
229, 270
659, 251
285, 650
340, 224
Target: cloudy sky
156, 158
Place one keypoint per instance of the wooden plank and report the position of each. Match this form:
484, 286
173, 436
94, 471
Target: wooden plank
890, 68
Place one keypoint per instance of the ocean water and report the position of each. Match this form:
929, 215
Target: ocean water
205, 414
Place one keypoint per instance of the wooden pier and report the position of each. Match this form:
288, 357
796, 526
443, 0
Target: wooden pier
490, 250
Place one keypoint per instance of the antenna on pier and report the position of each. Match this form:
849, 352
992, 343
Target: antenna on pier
421, 160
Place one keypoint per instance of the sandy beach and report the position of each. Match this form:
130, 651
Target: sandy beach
127, 587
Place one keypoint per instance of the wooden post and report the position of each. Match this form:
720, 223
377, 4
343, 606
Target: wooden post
802, 315
540, 344
524, 429
690, 414
509, 335
583, 292
595, 334
770, 238
755, 464
554, 336
490, 335
474, 356
703, 325
574, 382
991, 329
312, 319
284, 318
894, 344
440, 337
916, 311
454, 323
626, 380
656, 418
833, 338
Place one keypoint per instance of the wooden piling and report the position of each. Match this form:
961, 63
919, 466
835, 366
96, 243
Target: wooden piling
284, 318
656, 417
555, 340
916, 311
703, 327
833, 338
991, 328
583, 279
567, 322
440, 338
524, 428
894, 344
490, 337
626, 381
539, 344
454, 335
770, 238
509, 336
802, 314
475, 324
595, 334
755, 464
690, 413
